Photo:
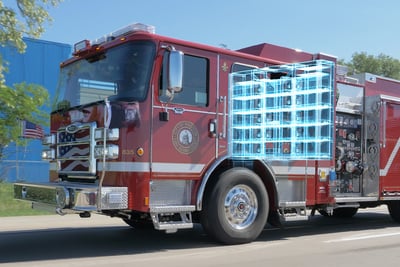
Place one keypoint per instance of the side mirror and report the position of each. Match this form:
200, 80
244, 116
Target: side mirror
175, 71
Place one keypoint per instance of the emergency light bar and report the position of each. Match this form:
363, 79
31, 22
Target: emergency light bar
82, 45
135, 27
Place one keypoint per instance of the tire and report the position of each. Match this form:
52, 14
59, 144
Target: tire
324, 213
394, 210
344, 212
340, 212
236, 208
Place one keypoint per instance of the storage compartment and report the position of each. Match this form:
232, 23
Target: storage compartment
348, 153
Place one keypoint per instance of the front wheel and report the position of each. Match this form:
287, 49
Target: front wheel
236, 208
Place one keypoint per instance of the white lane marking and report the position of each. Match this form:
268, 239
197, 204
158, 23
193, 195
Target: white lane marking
355, 238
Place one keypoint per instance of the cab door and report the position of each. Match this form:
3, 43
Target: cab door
183, 123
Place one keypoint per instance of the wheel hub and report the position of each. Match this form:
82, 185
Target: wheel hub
241, 206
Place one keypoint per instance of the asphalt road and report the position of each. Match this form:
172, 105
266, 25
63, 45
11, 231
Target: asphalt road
371, 238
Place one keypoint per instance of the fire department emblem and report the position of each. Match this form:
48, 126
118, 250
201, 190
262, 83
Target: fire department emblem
185, 137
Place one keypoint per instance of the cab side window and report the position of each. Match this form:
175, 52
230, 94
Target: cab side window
241, 67
195, 89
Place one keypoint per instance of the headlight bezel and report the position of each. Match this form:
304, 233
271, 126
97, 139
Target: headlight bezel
111, 134
111, 151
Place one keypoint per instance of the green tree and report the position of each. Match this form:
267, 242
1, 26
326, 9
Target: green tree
21, 101
382, 65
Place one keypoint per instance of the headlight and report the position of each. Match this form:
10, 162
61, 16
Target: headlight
110, 151
48, 154
111, 134
49, 140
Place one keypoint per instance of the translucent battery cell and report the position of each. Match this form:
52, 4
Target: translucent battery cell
282, 111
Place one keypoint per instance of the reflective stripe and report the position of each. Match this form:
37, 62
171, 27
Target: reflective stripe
391, 158
125, 166
186, 168
282, 170
177, 167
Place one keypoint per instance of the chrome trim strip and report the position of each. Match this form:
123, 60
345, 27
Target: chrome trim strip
217, 99
185, 110
355, 199
390, 98
204, 181
163, 167
390, 198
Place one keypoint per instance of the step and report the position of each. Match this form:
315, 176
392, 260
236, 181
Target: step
172, 209
171, 226
292, 204
293, 218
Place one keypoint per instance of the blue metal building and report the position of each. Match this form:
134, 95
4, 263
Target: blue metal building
39, 65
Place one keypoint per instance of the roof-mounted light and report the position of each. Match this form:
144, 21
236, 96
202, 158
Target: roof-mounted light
86, 46
82, 45
135, 27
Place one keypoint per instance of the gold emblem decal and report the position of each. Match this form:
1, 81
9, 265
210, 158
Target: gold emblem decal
224, 67
185, 137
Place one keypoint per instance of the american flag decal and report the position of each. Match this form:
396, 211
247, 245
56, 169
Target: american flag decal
73, 151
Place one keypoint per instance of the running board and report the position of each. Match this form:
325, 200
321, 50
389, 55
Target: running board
355, 199
293, 211
172, 218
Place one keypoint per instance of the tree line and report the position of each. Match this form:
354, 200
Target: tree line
382, 65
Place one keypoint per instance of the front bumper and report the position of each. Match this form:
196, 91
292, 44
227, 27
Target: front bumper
64, 197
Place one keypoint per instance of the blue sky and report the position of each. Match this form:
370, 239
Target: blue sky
336, 27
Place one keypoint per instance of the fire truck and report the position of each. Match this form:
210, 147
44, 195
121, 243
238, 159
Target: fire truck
167, 133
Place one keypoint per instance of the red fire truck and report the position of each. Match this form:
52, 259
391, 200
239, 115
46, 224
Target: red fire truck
167, 133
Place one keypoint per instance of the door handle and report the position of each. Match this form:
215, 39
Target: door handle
212, 128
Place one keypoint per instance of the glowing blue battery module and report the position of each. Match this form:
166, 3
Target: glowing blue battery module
283, 111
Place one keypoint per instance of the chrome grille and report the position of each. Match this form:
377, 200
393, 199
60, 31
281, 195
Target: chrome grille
75, 150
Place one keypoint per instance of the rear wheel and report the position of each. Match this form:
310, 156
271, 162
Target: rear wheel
394, 210
236, 208
344, 212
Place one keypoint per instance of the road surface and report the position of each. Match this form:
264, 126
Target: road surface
371, 238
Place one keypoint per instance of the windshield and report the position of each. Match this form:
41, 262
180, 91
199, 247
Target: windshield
120, 73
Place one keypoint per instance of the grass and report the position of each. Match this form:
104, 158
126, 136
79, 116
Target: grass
11, 207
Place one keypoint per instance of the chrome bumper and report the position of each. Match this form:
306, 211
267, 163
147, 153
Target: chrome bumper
64, 197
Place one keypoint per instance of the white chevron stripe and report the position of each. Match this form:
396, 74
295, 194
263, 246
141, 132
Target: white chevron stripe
396, 148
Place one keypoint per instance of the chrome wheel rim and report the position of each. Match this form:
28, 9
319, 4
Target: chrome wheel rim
241, 207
